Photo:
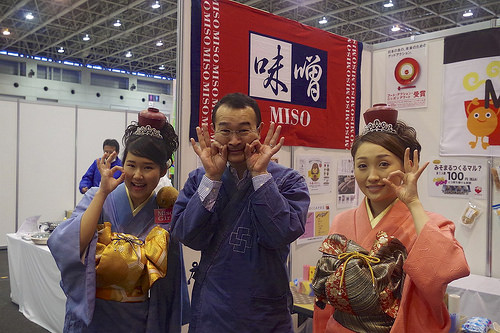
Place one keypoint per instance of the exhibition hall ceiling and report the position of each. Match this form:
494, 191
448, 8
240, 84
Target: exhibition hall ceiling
145, 40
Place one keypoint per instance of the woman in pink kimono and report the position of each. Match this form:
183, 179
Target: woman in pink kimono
386, 264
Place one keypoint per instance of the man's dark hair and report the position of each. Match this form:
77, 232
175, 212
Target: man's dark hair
112, 143
238, 101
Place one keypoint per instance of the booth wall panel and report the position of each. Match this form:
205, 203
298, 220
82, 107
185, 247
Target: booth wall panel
93, 127
8, 151
46, 161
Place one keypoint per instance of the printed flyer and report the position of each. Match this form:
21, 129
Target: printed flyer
347, 190
317, 223
455, 178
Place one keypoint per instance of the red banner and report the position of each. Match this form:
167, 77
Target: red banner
303, 78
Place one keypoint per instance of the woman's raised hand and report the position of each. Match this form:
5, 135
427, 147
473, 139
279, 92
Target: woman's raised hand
108, 182
404, 182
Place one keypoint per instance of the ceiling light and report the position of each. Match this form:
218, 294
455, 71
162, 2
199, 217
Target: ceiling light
6, 32
61, 50
117, 23
159, 43
468, 13
162, 67
155, 5
128, 54
29, 16
323, 21
395, 28
86, 37
388, 4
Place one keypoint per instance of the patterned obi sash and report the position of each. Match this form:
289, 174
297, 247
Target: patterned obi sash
126, 266
363, 286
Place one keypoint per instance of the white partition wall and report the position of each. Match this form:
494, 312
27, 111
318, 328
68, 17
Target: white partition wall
46, 160
8, 151
45, 149
93, 127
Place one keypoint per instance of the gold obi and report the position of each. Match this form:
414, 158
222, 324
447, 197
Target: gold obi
126, 266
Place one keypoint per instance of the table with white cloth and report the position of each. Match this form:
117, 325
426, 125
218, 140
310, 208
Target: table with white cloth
34, 283
479, 296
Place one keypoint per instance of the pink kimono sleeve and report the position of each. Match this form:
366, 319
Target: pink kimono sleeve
435, 260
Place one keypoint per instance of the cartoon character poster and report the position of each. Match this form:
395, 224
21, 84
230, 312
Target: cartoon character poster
316, 170
456, 178
471, 98
406, 79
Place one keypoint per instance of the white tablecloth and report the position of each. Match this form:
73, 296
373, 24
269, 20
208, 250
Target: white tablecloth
34, 283
479, 296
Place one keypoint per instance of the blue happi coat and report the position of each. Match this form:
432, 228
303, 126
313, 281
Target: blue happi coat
168, 306
241, 284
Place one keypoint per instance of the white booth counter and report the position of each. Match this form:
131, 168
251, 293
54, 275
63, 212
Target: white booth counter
479, 296
34, 283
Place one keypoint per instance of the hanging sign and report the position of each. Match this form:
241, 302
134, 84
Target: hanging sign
303, 78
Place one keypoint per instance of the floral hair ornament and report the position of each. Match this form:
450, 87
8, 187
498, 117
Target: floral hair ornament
380, 118
150, 123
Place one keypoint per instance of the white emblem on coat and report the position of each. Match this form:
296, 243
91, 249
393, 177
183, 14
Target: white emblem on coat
240, 239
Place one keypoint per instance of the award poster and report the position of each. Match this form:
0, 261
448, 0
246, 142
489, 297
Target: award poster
459, 179
316, 171
317, 224
406, 78
347, 191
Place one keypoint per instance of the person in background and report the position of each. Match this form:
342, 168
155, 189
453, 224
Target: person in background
120, 269
242, 212
386, 264
92, 177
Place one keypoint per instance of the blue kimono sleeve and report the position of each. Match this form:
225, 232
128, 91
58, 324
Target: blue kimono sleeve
169, 306
279, 209
77, 278
192, 223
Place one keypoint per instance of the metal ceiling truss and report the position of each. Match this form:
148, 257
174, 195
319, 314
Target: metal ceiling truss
63, 23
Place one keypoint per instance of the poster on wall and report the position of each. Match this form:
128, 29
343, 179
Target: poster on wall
347, 190
316, 169
456, 178
471, 97
317, 223
406, 77
305, 79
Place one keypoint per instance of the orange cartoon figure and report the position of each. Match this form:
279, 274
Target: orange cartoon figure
481, 121
314, 172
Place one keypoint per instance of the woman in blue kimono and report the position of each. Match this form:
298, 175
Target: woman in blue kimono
115, 275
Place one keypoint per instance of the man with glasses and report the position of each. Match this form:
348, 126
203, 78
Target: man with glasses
241, 211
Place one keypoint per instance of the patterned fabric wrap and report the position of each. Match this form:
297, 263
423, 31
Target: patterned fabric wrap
126, 266
363, 286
